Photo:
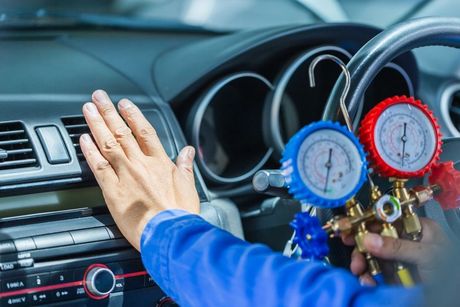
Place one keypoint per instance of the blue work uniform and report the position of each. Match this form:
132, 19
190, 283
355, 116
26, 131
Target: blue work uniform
198, 264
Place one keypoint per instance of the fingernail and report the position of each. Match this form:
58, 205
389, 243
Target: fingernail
190, 153
125, 104
91, 108
86, 138
100, 96
365, 281
373, 241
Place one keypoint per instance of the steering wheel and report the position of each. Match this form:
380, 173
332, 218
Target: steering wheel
378, 52
384, 47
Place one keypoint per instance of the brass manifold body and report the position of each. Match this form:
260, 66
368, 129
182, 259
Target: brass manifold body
356, 219
410, 199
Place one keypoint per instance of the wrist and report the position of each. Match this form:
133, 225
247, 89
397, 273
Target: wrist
151, 221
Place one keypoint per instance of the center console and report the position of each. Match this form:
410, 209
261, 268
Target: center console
77, 259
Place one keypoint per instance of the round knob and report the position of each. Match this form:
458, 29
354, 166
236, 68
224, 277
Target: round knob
310, 236
448, 179
99, 281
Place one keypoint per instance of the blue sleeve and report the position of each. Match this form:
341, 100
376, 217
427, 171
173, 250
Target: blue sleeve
198, 264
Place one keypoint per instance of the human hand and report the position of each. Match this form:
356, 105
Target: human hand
137, 178
421, 254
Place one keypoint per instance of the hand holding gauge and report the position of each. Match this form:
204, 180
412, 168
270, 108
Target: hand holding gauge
324, 165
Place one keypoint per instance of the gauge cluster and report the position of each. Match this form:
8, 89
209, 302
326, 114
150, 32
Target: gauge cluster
241, 122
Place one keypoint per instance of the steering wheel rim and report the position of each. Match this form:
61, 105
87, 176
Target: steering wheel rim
382, 49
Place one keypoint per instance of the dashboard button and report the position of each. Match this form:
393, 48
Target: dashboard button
90, 235
25, 263
53, 240
7, 247
24, 244
37, 280
79, 274
56, 278
61, 294
53, 145
39, 298
119, 285
18, 300
78, 292
13, 284
8, 266
135, 282
132, 266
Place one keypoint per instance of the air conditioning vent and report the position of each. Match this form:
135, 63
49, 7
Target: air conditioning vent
76, 126
454, 109
16, 150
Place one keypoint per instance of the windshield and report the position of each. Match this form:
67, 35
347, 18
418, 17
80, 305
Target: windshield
229, 15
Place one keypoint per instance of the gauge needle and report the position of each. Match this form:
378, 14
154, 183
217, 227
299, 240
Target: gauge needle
404, 140
328, 166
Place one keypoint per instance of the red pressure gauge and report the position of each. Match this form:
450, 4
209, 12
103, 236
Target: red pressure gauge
402, 137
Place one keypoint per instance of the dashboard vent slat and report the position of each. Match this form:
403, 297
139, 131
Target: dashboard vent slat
76, 126
16, 150
13, 142
3, 133
16, 163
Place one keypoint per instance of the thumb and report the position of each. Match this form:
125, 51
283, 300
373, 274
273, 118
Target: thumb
396, 249
184, 161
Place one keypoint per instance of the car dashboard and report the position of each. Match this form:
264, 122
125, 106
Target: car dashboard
236, 97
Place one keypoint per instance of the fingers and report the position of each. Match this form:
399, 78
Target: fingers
115, 123
100, 167
358, 263
108, 145
396, 249
184, 161
432, 232
367, 280
348, 239
145, 134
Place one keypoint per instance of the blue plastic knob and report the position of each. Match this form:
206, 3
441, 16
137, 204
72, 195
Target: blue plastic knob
310, 236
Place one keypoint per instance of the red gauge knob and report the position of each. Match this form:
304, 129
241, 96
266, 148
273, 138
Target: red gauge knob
448, 179
402, 137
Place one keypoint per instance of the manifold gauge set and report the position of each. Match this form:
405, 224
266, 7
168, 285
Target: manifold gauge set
325, 165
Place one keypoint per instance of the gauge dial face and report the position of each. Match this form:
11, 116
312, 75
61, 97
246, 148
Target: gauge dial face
330, 164
405, 137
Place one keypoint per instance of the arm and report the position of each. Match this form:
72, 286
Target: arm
190, 259
200, 265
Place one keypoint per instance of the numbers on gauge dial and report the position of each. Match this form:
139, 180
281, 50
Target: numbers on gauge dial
405, 137
330, 164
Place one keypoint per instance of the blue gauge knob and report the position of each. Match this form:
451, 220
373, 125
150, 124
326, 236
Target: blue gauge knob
310, 236
324, 165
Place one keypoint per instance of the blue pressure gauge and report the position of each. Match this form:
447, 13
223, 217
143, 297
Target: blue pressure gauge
324, 165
